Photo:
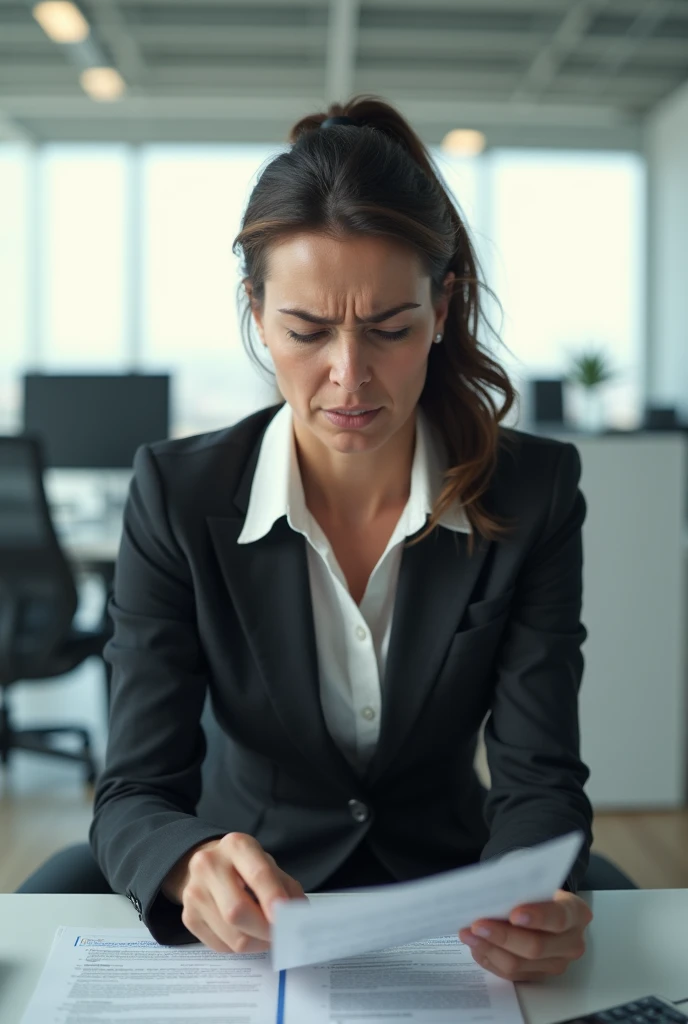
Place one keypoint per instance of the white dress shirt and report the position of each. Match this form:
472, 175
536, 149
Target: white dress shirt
351, 641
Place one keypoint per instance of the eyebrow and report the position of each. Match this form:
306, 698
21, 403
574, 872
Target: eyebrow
377, 318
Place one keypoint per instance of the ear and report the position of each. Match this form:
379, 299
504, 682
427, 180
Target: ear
442, 306
256, 311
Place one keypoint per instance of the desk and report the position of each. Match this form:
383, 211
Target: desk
637, 945
91, 545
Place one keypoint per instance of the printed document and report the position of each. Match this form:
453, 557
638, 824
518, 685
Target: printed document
308, 933
431, 982
122, 976
389, 952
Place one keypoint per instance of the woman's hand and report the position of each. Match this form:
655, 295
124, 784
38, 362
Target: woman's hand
211, 883
529, 950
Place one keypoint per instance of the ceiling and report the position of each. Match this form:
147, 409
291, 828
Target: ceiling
526, 72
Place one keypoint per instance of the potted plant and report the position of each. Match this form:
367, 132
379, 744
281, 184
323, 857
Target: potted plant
588, 371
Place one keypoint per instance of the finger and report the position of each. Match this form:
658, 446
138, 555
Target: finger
512, 968
560, 914
233, 912
258, 870
527, 943
239, 943
218, 891
193, 920
294, 888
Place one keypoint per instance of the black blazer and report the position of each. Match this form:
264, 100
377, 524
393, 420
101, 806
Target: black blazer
195, 613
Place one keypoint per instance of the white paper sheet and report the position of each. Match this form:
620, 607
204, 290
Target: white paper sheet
318, 931
122, 976
431, 982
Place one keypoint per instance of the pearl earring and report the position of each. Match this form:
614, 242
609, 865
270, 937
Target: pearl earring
437, 339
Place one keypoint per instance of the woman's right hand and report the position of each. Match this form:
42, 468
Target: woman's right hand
211, 884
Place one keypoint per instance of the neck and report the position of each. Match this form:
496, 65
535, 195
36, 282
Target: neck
355, 489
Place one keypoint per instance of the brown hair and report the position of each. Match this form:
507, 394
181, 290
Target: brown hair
376, 177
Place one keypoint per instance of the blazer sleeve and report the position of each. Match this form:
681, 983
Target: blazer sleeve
144, 810
532, 732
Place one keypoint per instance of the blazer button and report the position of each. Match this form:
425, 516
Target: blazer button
359, 811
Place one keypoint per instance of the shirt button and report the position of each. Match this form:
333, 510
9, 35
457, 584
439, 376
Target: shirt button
359, 811
361, 633
368, 713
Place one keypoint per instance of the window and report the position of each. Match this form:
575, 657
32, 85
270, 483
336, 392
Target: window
14, 276
113, 256
82, 265
568, 230
193, 200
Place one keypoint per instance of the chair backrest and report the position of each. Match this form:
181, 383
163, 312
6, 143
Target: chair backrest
38, 596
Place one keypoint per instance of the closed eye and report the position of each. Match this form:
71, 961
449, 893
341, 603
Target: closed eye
389, 335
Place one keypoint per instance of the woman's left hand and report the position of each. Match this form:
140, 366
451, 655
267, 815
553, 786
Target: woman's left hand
529, 950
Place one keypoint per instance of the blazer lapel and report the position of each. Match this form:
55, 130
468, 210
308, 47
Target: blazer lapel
436, 578
269, 586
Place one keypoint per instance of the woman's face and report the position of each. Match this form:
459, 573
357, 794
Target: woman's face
349, 322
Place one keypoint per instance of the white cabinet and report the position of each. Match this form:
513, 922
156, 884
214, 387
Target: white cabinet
634, 711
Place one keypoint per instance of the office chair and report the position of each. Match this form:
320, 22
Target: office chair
38, 600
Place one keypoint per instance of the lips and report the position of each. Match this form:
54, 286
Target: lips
353, 412
350, 420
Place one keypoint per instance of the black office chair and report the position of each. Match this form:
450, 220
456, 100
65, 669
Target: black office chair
38, 600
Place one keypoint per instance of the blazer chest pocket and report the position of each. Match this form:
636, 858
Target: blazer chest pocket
477, 637
482, 613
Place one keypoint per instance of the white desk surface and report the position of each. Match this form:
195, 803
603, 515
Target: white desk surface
637, 945
93, 544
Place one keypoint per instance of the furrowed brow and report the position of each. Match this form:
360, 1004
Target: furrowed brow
376, 318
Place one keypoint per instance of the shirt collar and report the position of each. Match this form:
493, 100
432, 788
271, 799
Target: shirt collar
277, 490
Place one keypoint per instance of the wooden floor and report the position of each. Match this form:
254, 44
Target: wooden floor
41, 811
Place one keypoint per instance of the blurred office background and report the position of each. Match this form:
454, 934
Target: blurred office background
131, 132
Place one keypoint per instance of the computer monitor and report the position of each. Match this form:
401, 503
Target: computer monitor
547, 399
95, 421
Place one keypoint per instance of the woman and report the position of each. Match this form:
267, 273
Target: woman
356, 577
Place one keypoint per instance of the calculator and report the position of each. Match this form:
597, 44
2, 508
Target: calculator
648, 1010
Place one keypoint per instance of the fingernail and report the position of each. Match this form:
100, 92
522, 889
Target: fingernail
471, 941
522, 919
483, 931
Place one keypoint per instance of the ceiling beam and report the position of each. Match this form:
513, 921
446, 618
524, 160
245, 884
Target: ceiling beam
112, 30
290, 107
567, 36
342, 41
423, 43
234, 39
310, 39
670, 8
12, 131
622, 48
673, 8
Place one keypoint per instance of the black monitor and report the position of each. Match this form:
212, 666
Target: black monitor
547, 401
95, 421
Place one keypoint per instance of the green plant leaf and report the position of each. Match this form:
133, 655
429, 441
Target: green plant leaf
589, 369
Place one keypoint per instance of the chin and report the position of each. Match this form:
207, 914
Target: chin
345, 442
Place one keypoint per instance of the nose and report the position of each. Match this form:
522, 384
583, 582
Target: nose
349, 368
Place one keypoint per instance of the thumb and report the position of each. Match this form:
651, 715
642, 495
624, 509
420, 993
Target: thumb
294, 888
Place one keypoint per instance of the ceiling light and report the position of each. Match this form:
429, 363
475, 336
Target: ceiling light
102, 84
463, 142
63, 22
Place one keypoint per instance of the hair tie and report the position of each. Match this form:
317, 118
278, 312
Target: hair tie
338, 119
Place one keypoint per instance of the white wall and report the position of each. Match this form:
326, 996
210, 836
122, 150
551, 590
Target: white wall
667, 152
